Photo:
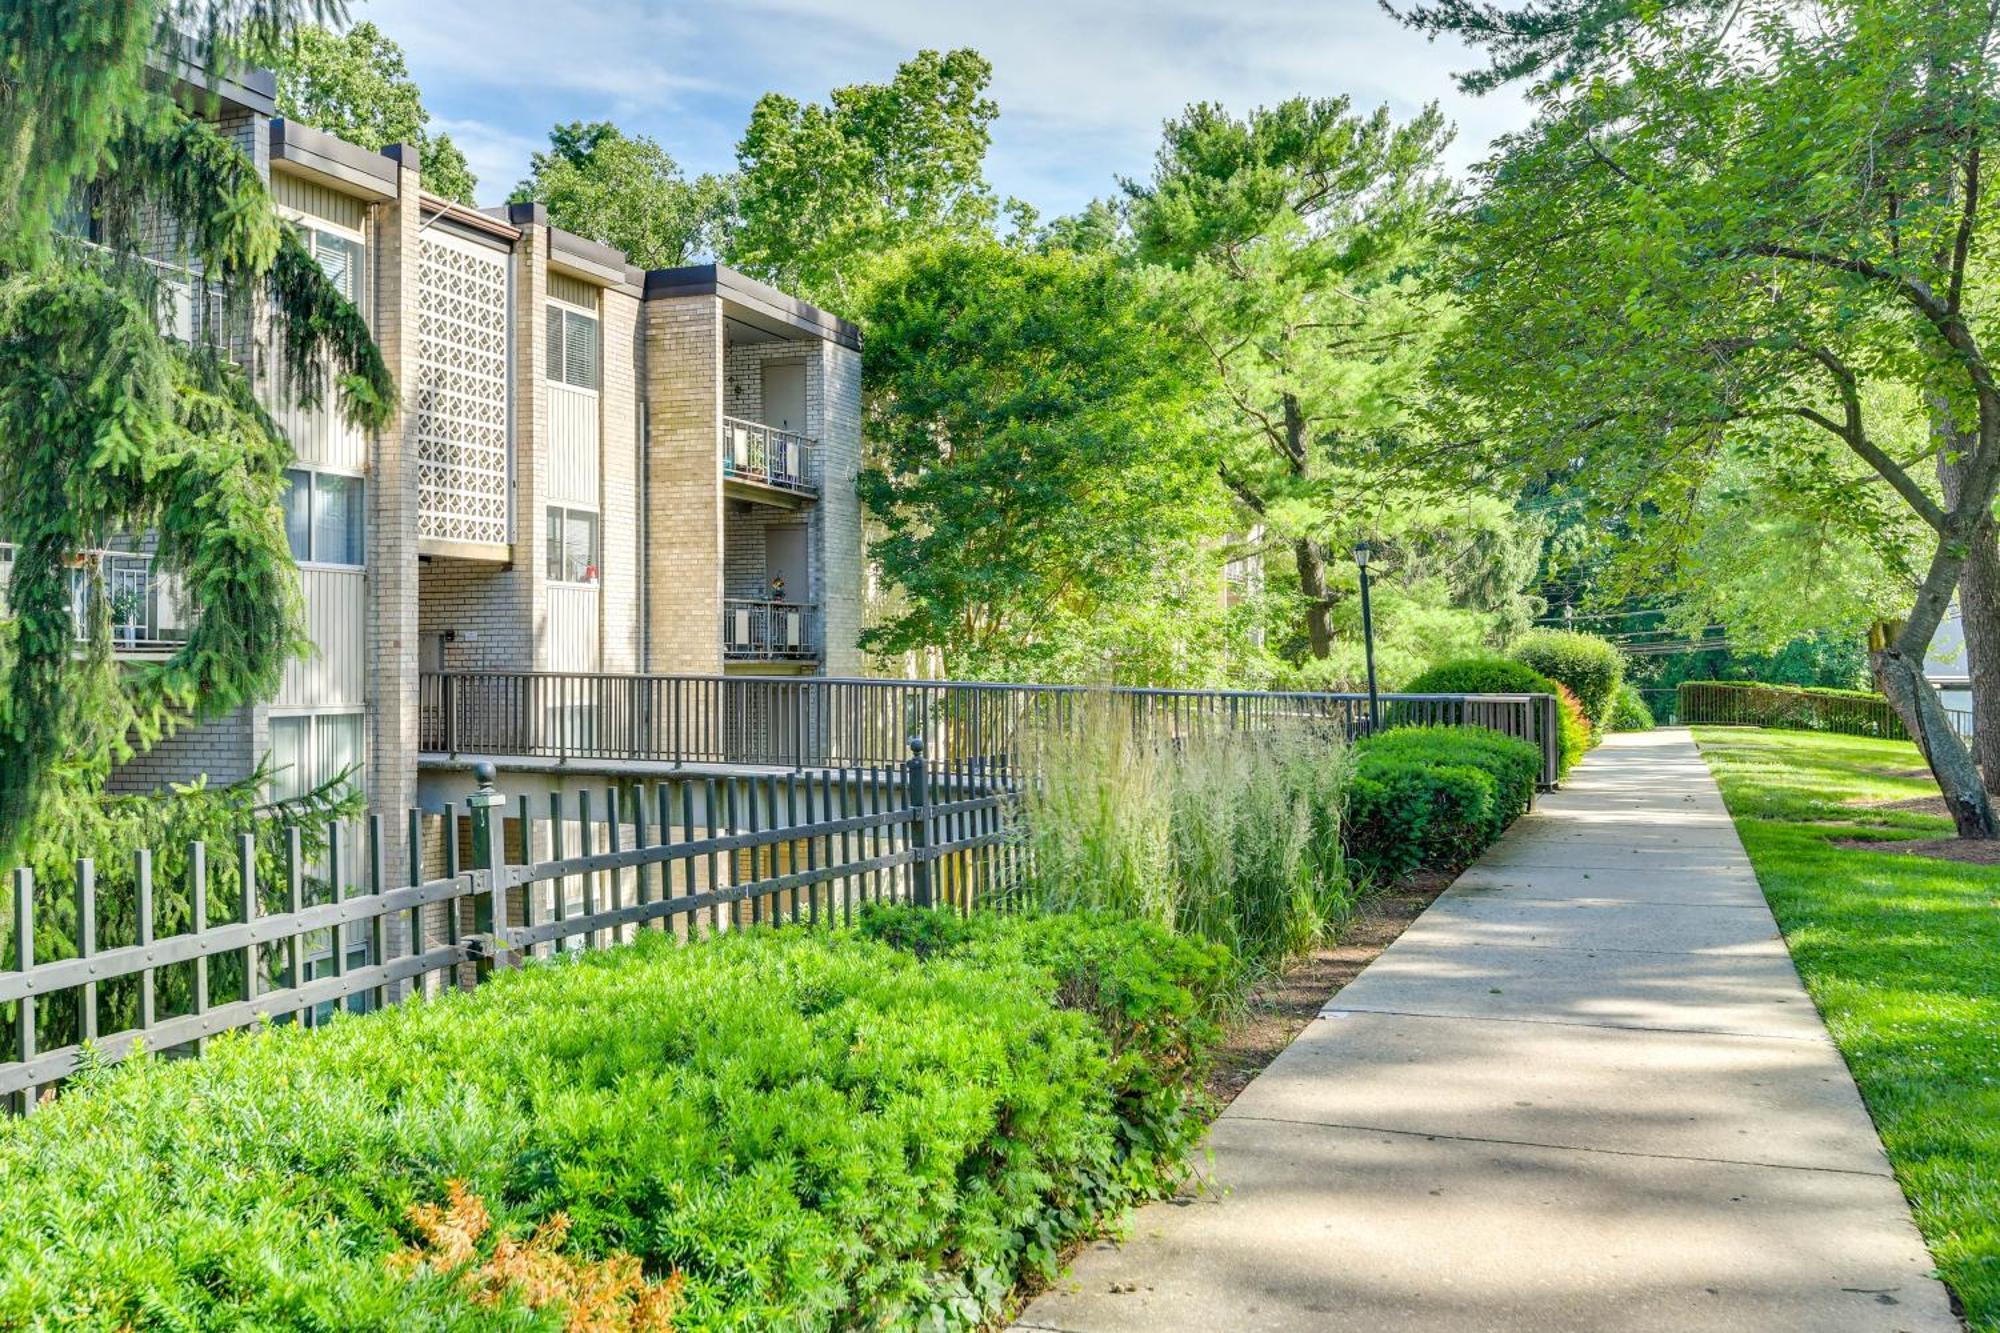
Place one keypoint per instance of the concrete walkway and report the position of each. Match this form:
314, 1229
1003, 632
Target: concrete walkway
1585, 1090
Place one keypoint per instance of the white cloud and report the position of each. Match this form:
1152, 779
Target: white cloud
1082, 84
499, 158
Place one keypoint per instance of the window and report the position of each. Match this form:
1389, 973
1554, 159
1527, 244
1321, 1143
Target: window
572, 546
323, 517
312, 749
572, 347
339, 258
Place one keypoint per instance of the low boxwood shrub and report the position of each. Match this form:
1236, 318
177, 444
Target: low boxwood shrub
1433, 798
1590, 666
1499, 675
765, 1129
1631, 712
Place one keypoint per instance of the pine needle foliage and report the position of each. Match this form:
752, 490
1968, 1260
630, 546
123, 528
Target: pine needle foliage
117, 201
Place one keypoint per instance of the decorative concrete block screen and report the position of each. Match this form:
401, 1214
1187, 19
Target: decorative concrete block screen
460, 395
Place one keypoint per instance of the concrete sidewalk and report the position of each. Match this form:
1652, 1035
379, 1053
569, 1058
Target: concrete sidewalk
1585, 1090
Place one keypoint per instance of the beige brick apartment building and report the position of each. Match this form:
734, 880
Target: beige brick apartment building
594, 469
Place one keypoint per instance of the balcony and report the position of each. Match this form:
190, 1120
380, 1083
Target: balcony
756, 631
767, 465
146, 615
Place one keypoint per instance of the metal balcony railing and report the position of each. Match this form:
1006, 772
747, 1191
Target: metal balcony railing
145, 606
758, 631
766, 456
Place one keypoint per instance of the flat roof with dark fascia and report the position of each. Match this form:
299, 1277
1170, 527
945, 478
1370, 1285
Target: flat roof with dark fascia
321, 154
740, 289
580, 254
246, 86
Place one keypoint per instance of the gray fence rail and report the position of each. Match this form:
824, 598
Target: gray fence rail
826, 722
1730, 703
692, 855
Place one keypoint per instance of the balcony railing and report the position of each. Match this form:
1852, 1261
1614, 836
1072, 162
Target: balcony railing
145, 606
766, 456
754, 631
823, 722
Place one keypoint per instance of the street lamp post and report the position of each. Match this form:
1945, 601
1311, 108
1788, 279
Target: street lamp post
1362, 551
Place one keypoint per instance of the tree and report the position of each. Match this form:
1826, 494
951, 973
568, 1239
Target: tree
1716, 258
107, 425
625, 191
1042, 490
824, 190
356, 85
1295, 233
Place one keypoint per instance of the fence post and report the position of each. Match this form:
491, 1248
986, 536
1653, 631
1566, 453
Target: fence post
489, 915
920, 821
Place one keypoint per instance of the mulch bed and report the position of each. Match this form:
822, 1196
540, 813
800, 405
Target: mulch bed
1281, 1005
1913, 805
1975, 853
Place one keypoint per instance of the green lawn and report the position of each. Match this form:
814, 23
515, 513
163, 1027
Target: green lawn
1902, 955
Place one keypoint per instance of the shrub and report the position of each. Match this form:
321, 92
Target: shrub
1751, 703
1630, 713
1232, 838
1498, 675
1590, 666
1433, 798
767, 1129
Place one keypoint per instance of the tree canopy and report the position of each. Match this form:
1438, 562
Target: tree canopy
111, 428
1749, 255
625, 191
823, 189
357, 85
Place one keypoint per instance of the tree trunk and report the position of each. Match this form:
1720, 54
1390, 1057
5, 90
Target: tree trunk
1312, 586
1978, 604
1901, 678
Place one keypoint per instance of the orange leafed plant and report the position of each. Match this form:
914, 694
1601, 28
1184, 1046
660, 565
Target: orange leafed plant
609, 1295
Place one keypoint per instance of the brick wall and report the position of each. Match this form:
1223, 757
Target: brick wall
480, 605
222, 751
683, 361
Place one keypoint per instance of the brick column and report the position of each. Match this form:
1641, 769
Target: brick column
618, 474
683, 385
527, 589
840, 553
392, 528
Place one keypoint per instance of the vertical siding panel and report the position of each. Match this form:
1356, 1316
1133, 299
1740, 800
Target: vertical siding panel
336, 601
572, 627
573, 446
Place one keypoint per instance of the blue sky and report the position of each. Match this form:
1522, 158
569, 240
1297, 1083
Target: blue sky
1082, 84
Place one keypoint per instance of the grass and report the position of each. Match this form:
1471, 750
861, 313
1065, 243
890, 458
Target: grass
1902, 955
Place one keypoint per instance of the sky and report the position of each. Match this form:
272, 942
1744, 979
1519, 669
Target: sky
1082, 85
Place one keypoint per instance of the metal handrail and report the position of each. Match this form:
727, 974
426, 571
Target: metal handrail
754, 452
758, 630
143, 602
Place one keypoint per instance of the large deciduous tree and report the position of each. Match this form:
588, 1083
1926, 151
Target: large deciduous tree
1719, 253
824, 190
1044, 494
356, 85
108, 426
626, 191
1296, 233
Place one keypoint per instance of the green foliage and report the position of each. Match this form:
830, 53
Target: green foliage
1032, 473
1232, 838
813, 1131
1629, 712
110, 428
1293, 235
1591, 667
1899, 953
1499, 675
1753, 703
823, 190
625, 191
1433, 798
356, 85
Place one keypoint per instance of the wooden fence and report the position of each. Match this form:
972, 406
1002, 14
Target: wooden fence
695, 856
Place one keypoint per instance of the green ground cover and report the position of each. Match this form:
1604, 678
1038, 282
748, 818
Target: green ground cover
1902, 955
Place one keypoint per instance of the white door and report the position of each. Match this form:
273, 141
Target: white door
785, 395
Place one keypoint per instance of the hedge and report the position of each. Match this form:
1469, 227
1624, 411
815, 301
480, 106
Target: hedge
1498, 675
1590, 666
765, 1129
1433, 798
1790, 707
1630, 712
